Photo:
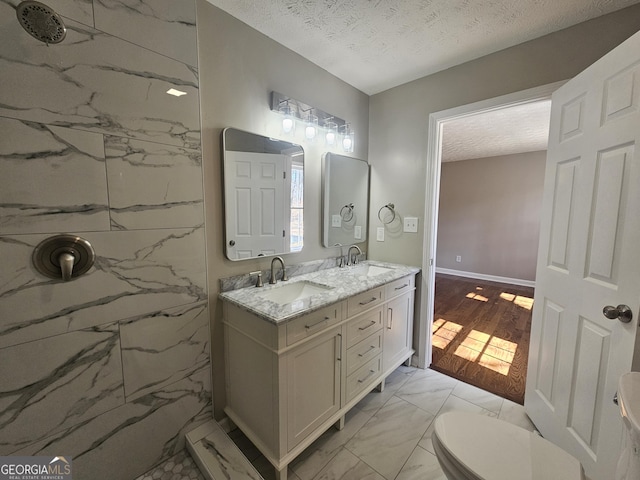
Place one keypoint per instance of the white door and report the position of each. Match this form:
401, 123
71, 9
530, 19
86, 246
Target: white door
255, 210
589, 257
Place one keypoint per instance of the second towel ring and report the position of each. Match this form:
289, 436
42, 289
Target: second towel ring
346, 212
391, 208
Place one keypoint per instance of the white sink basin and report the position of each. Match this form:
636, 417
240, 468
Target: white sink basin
291, 292
370, 270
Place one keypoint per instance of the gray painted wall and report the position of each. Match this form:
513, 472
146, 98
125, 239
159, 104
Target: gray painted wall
489, 214
239, 67
399, 120
399, 117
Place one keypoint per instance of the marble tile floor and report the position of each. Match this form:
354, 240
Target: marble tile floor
179, 467
387, 436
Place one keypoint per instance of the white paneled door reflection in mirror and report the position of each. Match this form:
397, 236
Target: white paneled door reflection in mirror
264, 193
345, 200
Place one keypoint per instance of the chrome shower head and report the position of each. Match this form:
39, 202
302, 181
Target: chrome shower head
41, 22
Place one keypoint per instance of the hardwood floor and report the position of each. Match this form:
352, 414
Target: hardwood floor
481, 333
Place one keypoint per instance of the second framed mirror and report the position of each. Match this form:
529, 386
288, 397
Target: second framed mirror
345, 200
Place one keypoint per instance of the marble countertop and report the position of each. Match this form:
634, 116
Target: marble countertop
336, 283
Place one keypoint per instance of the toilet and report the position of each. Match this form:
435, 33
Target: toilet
476, 447
629, 403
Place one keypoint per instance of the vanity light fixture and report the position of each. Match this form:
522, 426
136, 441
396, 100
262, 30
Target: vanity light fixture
313, 118
347, 138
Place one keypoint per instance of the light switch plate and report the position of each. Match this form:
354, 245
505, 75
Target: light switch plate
380, 234
411, 224
357, 232
336, 221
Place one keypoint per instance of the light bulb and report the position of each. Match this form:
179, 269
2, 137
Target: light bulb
287, 124
330, 136
347, 140
310, 132
312, 127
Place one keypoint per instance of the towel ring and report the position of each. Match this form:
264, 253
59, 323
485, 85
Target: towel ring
346, 212
391, 208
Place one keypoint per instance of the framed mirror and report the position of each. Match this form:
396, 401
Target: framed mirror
263, 195
345, 200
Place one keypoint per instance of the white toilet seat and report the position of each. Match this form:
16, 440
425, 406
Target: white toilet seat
476, 447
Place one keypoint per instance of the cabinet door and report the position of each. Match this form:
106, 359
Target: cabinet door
313, 385
398, 330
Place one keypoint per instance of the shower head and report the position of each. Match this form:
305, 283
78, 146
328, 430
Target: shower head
41, 22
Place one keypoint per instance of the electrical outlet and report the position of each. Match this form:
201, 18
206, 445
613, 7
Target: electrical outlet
336, 221
380, 234
411, 224
357, 232
458, 258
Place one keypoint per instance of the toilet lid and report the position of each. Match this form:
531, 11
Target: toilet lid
496, 450
629, 399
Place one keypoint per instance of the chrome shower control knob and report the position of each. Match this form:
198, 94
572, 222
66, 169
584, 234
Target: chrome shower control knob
63, 256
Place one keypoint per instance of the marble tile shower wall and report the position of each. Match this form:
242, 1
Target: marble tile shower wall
111, 368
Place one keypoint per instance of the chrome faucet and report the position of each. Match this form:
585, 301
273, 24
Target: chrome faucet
273, 280
356, 257
341, 257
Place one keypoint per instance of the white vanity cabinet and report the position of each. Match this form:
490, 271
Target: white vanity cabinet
398, 325
288, 382
312, 377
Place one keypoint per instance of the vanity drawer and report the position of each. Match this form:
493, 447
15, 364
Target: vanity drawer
400, 286
365, 301
314, 322
364, 351
365, 377
361, 327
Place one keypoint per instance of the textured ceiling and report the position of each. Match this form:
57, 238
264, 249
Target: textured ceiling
518, 129
378, 44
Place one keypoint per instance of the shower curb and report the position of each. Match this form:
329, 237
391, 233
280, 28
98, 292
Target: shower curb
217, 457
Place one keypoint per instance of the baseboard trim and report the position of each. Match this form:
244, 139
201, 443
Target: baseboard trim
490, 278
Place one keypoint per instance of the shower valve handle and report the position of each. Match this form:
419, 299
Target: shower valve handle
66, 261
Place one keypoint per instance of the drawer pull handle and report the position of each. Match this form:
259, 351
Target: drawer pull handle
390, 322
373, 322
372, 347
373, 299
403, 286
371, 373
309, 327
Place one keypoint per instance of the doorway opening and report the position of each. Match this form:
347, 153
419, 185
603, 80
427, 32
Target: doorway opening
438, 123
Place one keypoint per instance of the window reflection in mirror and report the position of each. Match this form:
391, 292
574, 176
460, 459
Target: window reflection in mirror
345, 200
264, 195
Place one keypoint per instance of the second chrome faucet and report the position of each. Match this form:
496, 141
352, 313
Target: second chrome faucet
273, 280
355, 257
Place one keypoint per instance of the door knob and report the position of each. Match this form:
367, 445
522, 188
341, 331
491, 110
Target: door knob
621, 312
